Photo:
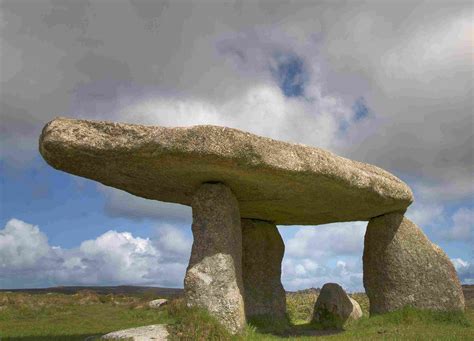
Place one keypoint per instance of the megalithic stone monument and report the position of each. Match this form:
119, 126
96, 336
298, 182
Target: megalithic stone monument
236, 181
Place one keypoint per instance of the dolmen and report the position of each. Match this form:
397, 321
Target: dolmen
240, 187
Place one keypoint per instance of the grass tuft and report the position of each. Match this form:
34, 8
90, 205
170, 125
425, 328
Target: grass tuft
192, 323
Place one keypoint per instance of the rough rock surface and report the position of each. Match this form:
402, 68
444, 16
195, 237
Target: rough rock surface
289, 184
214, 276
402, 267
262, 253
155, 332
334, 307
155, 304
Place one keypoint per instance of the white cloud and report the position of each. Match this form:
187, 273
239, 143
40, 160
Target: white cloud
328, 253
261, 109
459, 263
465, 270
302, 273
321, 241
22, 245
26, 258
172, 243
426, 213
462, 228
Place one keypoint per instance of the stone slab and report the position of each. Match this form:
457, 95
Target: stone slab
155, 332
287, 184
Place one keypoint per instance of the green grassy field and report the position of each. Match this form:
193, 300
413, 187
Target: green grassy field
87, 315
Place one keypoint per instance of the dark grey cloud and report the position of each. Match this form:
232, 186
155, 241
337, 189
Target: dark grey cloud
184, 62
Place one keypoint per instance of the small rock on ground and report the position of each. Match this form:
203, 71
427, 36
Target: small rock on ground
334, 307
155, 332
157, 303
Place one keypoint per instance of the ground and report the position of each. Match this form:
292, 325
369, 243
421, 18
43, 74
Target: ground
87, 315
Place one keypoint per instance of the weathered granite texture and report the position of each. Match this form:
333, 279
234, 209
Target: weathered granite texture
262, 253
402, 267
334, 308
289, 184
214, 276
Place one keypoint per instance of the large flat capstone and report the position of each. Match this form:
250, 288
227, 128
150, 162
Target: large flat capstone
288, 184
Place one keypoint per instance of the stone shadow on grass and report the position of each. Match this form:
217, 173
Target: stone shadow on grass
282, 328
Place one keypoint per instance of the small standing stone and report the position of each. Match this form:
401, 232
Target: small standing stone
334, 307
402, 267
263, 250
214, 276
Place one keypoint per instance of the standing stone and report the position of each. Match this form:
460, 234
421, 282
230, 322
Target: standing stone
334, 308
262, 254
214, 276
402, 267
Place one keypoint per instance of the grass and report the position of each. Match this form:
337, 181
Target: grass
193, 323
405, 324
87, 315
72, 317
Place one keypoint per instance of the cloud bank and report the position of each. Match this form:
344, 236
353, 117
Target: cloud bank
28, 260
313, 256
296, 72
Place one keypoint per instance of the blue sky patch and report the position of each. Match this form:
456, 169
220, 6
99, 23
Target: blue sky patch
291, 75
360, 109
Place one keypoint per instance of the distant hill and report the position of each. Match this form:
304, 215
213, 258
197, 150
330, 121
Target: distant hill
306, 291
121, 289
169, 292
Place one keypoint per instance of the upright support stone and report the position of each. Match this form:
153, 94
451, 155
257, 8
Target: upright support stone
214, 276
402, 267
262, 253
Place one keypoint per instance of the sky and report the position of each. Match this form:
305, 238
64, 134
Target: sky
384, 82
